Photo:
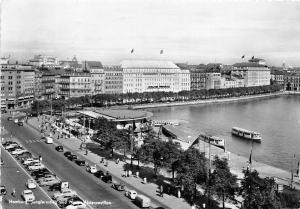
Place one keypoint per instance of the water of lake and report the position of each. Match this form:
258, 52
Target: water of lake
277, 119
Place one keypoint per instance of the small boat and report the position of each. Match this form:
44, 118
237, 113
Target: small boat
243, 133
213, 140
164, 122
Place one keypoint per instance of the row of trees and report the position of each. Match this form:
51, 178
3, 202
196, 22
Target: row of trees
192, 170
150, 97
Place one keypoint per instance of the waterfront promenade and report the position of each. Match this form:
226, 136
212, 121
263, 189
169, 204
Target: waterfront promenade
213, 101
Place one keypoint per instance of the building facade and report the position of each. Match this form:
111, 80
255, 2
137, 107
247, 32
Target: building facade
75, 84
153, 76
231, 83
95, 68
17, 86
113, 83
254, 72
292, 82
198, 79
42, 60
213, 81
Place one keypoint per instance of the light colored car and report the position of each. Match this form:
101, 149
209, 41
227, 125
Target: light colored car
18, 151
30, 160
30, 184
10, 146
131, 194
46, 177
62, 200
28, 196
76, 205
36, 166
48, 182
65, 192
91, 168
16, 120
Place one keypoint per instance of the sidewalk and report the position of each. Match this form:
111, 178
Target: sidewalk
116, 170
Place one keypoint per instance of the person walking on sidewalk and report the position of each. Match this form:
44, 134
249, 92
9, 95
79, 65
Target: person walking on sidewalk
13, 192
161, 191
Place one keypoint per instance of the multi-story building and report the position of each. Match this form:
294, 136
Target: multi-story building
292, 82
277, 76
75, 84
213, 80
153, 76
198, 79
231, 83
17, 86
95, 68
255, 72
42, 60
113, 83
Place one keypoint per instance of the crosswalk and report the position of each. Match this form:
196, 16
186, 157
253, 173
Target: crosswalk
34, 141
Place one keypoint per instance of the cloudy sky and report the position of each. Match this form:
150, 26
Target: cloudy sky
190, 31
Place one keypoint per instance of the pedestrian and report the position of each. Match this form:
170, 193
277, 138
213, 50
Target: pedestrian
117, 161
161, 191
40, 158
13, 192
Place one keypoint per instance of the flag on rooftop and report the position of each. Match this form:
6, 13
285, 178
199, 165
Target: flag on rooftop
243, 56
161, 51
132, 50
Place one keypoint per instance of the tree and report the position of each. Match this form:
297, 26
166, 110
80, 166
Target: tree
257, 192
223, 183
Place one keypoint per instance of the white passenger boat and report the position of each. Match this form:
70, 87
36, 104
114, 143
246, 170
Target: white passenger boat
243, 133
213, 140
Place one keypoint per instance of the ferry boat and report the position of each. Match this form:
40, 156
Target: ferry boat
214, 140
164, 122
243, 133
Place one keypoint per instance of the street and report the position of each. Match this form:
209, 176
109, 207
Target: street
87, 186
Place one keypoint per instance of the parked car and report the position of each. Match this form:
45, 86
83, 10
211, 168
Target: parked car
77, 205
18, 151
99, 174
72, 157
131, 194
142, 201
28, 196
20, 123
30, 184
59, 148
25, 155
107, 178
91, 169
10, 118
48, 182
11, 146
73, 199
64, 193
117, 186
49, 140
16, 120
55, 187
2, 190
62, 200
30, 160
36, 167
7, 143
80, 162
43, 171
48, 176
67, 154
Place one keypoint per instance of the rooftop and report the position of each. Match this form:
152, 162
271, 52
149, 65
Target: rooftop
117, 114
157, 64
93, 64
248, 64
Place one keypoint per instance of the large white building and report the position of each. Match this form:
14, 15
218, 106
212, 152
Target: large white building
255, 72
153, 76
42, 60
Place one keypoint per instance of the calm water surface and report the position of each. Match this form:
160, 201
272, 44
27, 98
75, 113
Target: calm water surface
277, 119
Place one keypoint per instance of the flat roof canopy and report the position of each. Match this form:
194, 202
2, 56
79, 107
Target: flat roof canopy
118, 115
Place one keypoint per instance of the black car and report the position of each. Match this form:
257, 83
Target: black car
118, 186
72, 157
67, 154
80, 162
14, 148
10, 118
24, 155
59, 148
73, 199
2, 190
55, 187
7, 143
99, 174
40, 173
107, 178
20, 123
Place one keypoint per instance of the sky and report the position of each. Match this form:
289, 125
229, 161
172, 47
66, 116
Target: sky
192, 31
